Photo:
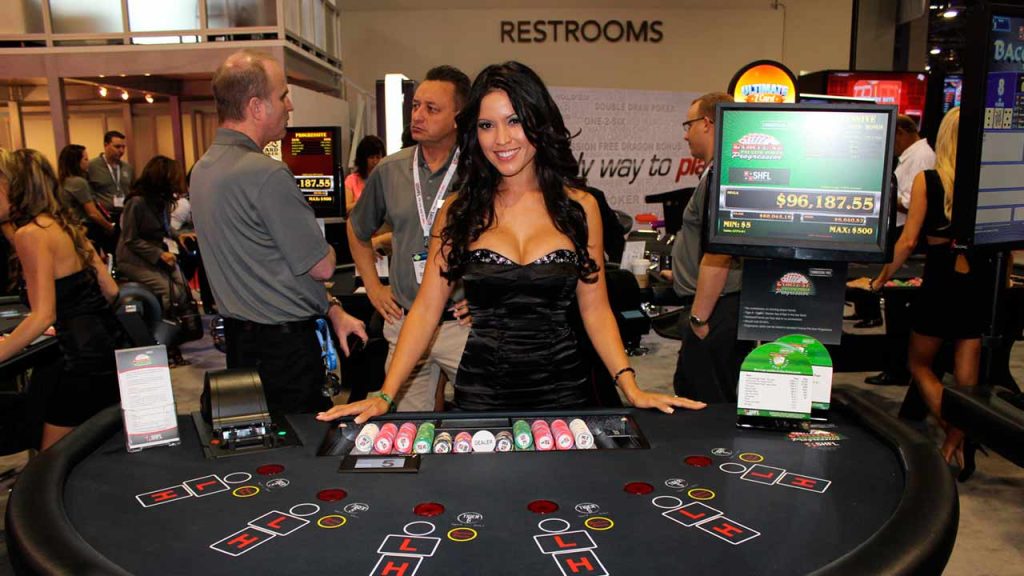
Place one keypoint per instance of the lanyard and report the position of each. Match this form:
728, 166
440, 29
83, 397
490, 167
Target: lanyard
327, 353
427, 221
115, 176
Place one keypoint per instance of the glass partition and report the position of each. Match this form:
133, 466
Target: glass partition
241, 13
91, 17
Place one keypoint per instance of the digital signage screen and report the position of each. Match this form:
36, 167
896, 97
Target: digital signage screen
313, 155
999, 213
802, 181
952, 89
905, 90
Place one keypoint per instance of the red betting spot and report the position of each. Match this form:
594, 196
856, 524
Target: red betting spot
215, 441
638, 488
698, 461
700, 493
542, 507
270, 469
331, 495
428, 509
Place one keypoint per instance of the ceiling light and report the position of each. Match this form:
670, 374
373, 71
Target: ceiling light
928, 68
147, 74
103, 91
935, 50
951, 13
124, 95
122, 75
149, 98
103, 75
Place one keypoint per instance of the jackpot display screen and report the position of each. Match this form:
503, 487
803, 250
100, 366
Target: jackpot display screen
905, 90
313, 155
802, 181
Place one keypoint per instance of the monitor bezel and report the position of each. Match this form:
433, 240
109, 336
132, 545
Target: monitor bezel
326, 212
878, 251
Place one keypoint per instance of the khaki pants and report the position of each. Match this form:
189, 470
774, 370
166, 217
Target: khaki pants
444, 354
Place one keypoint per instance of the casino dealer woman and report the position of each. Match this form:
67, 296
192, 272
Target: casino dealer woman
68, 287
526, 241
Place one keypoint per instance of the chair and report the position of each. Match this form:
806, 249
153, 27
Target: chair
141, 315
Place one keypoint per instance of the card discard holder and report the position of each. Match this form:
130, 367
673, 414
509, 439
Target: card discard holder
377, 464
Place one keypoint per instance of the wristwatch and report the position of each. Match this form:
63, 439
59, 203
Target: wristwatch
697, 322
333, 301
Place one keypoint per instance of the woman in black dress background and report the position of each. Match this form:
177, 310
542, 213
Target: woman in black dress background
947, 274
68, 287
526, 241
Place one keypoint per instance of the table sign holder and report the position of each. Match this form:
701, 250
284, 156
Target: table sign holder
147, 399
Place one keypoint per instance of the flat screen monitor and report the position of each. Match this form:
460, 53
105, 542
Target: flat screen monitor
988, 196
313, 153
952, 89
802, 181
905, 90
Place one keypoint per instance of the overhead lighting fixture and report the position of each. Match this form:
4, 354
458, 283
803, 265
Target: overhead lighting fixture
103, 75
124, 95
935, 51
147, 74
951, 13
149, 98
122, 75
103, 91
928, 68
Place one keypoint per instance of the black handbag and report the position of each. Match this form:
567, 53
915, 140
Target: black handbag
183, 310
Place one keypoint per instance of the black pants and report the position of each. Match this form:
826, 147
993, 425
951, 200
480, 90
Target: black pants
288, 360
709, 369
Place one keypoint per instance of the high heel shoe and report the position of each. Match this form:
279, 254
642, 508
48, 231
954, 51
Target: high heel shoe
969, 464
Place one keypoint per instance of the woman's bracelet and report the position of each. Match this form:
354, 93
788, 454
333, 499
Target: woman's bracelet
621, 372
383, 396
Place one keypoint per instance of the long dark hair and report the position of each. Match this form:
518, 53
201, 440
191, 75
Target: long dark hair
160, 183
69, 163
472, 211
33, 191
368, 146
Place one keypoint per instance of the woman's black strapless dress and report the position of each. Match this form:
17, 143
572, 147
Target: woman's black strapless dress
88, 333
522, 352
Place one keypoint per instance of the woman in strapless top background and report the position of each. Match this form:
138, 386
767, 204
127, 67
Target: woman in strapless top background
526, 241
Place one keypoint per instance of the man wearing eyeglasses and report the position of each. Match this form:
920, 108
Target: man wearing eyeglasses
709, 357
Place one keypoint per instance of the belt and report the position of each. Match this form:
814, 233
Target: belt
446, 316
296, 327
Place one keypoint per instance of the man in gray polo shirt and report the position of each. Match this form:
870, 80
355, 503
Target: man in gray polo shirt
264, 253
406, 190
708, 366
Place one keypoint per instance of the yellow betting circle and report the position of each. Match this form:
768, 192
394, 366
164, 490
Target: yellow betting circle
454, 539
237, 492
697, 490
321, 524
610, 525
751, 457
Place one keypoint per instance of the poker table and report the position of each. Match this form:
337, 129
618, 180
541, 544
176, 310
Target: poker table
43, 350
684, 493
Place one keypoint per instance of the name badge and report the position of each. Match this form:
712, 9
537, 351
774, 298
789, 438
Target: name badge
119, 201
419, 265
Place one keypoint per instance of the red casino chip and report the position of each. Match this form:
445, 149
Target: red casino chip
638, 488
698, 461
542, 507
270, 469
428, 509
331, 495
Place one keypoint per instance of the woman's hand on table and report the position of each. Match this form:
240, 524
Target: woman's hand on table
664, 402
363, 410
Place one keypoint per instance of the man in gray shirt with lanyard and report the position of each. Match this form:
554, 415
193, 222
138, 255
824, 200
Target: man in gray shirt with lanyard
406, 190
111, 180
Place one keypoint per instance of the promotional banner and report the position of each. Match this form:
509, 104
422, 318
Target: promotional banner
630, 143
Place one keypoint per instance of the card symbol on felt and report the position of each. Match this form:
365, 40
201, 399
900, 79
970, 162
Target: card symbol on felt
206, 485
763, 474
552, 543
242, 541
278, 523
163, 496
409, 545
728, 530
397, 565
692, 514
579, 563
804, 482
